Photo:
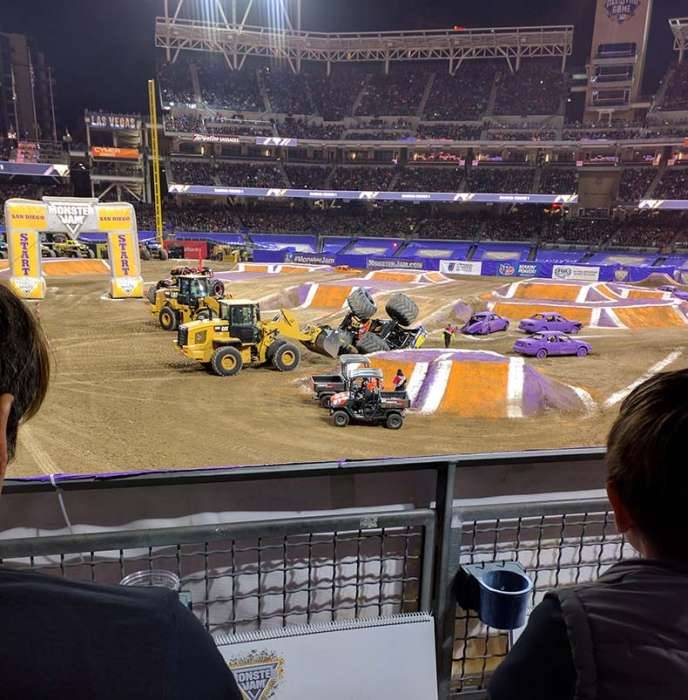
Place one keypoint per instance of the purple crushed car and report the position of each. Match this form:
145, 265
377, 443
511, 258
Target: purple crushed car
549, 322
678, 293
483, 323
542, 345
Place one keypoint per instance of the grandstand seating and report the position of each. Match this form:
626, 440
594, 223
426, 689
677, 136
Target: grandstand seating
559, 180
461, 97
399, 93
635, 183
430, 178
538, 87
674, 184
233, 90
676, 96
484, 179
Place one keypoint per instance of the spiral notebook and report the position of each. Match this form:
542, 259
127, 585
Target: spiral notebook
389, 658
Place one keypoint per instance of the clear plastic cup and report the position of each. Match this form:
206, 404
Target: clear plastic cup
158, 578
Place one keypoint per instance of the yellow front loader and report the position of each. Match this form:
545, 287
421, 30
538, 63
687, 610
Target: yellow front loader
238, 337
189, 300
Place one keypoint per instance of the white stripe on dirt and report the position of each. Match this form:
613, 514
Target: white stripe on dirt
595, 317
615, 318
310, 296
415, 384
583, 293
623, 393
439, 386
584, 396
512, 290
40, 456
514, 388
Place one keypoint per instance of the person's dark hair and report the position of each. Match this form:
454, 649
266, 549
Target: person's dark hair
646, 461
24, 362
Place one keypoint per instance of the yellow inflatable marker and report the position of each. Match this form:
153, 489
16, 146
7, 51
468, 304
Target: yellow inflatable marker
119, 222
24, 220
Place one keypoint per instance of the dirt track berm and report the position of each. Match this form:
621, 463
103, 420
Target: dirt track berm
239, 337
190, 299
360, 332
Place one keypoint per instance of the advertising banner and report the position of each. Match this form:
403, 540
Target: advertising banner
33, 169
461, 267
119, 222
367, 195
577, 273
512, 269
394, 264
310, 259
111, 152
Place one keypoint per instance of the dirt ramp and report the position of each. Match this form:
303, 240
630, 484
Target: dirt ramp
477, 384
74, 268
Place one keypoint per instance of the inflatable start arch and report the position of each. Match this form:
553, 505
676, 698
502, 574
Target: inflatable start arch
26, 220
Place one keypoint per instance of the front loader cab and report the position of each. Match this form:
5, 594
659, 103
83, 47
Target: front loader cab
243, 318
192, 288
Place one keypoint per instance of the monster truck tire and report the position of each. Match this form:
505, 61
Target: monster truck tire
370, 343
287, 358
164, 255
402, 309
361, 304
217, 287
90, 253
145, 254
325, 400
3, 255
227, 362
151, 293
168, 319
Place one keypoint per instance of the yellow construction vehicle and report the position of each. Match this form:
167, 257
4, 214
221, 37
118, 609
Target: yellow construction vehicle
190, 299
238, 337
230, 253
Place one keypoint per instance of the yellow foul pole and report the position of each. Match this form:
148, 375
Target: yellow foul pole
155, 150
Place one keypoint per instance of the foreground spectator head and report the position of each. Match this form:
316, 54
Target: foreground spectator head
648, 482
24, 371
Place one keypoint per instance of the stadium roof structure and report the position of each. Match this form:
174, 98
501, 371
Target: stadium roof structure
237, 40
679, 28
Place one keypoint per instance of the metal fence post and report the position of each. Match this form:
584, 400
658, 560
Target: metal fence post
444, 608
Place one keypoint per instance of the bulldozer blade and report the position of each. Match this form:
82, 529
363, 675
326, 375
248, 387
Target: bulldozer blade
330, 343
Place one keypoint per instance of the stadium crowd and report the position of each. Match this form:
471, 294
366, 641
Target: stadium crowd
399, 93
559, 180
225, 89
250, 175
430, 178
538, 87
484, 179
676, 96
673, 185
307, 177
356, 177
635, 182
463, 96
189, 172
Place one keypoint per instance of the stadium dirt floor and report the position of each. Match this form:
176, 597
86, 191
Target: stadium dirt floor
123, 398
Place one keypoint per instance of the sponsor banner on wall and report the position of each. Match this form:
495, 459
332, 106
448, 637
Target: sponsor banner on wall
394, 264
461, 267
310, 259
276, 141
577, 273
371, 195
33, 169
514, 269
112, 152
214, 138
116, 122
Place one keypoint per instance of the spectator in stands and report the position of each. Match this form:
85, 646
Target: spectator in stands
624, 636
80, 640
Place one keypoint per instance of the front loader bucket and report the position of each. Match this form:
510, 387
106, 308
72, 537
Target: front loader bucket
331, 343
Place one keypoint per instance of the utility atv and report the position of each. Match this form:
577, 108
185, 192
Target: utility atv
360, 404
325, 386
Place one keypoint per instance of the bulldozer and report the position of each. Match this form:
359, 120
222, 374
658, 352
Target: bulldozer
191, 299
230, 253
239, 337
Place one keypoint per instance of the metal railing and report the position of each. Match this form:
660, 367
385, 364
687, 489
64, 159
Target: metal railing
379, 561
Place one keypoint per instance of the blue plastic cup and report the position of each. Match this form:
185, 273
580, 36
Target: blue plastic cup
504, 594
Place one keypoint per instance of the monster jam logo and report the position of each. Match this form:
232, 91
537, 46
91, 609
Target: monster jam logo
258, 675
506, 270
562, 272
25, 259
621, 10
620, 274
72, 216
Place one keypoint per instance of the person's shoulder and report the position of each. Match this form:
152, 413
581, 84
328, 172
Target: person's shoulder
153, 606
